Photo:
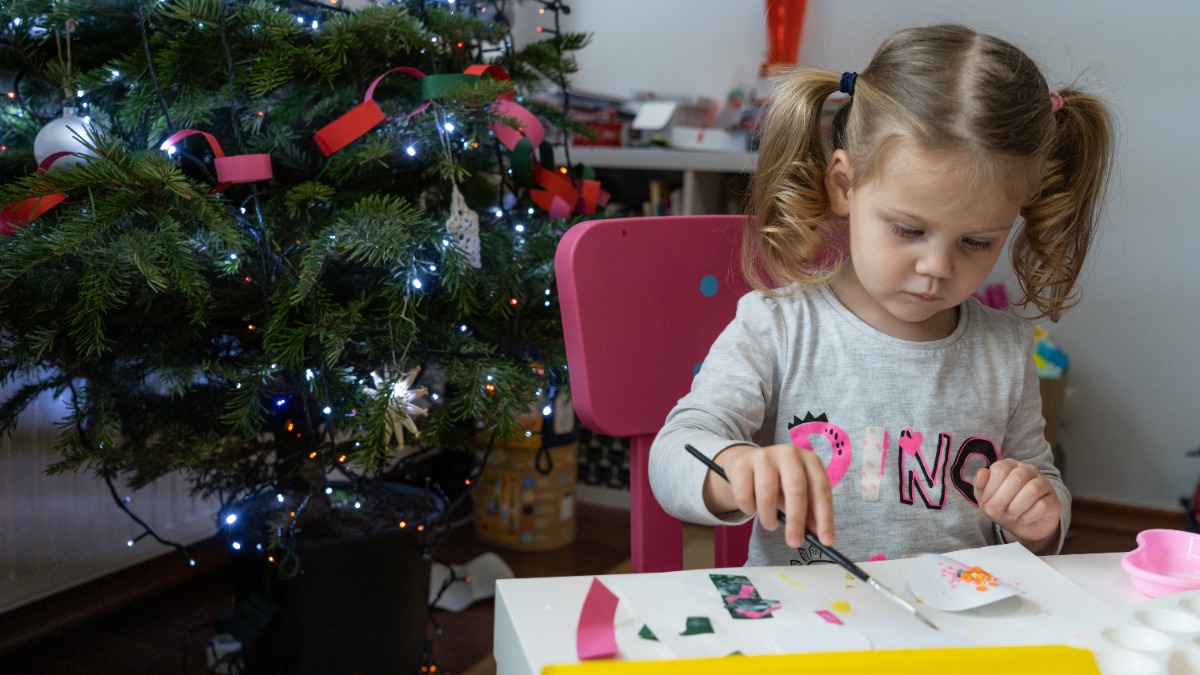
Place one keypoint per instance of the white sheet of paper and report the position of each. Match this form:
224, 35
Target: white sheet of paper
1051, 609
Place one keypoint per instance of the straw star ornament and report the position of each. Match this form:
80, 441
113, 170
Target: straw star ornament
402, 402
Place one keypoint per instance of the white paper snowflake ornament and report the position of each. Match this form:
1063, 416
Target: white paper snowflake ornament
463, 226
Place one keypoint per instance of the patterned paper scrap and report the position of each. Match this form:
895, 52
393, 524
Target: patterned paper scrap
741, 598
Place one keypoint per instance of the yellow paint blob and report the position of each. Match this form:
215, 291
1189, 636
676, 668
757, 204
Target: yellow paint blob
790, 582
840, 606
849, 577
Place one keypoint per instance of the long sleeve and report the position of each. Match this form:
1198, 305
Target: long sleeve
901, 427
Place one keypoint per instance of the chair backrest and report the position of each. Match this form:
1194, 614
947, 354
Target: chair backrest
642, 301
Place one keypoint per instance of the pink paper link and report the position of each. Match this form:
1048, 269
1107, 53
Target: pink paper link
752, 614
595, 637
416, 74
531, 127
828, 616
232, 169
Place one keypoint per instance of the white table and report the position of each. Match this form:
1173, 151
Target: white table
536, 619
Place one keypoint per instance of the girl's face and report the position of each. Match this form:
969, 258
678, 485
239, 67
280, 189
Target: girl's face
923, 238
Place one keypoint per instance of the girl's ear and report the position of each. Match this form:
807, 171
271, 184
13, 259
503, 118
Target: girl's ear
839, 176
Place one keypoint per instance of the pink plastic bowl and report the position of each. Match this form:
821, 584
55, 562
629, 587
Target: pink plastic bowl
1165, 561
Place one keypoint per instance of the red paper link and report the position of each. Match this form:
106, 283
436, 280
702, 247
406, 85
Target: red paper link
557, 195
590, 196
19, 214
361, 118
232, 169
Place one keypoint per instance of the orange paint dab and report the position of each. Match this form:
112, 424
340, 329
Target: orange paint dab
982, 580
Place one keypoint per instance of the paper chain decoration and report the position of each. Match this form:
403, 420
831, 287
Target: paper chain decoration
554, 193
232, 169
19, 214
558, 195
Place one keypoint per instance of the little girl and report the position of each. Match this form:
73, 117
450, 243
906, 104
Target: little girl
861, 383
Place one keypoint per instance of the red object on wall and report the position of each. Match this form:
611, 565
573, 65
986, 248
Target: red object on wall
785, 22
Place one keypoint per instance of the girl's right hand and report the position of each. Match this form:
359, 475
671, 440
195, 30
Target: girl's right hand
777, 478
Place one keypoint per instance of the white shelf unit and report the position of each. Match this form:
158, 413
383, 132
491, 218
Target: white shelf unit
702, 172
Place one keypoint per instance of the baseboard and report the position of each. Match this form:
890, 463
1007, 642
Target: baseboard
109, 593
1123, 518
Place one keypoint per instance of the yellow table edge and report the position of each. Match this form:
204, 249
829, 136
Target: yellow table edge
1058, 659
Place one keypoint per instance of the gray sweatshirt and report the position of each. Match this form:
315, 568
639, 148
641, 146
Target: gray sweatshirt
901, 426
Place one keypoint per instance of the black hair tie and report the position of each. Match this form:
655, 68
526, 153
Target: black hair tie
846, 85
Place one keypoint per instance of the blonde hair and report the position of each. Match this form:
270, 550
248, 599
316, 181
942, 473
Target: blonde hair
943, 89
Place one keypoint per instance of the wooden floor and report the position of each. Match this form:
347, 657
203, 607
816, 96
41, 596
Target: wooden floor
156, 617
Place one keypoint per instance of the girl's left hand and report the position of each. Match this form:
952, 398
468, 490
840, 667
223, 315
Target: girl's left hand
1018, 498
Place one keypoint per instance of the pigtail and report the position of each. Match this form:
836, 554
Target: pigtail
787, 192
1048, 252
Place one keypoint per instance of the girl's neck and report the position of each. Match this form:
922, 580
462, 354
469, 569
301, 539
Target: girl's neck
855, 298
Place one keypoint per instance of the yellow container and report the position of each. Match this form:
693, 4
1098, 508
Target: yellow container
525, 496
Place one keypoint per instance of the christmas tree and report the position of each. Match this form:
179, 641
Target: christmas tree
266, 243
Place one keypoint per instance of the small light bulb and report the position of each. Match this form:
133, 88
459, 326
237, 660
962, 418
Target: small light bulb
412, 152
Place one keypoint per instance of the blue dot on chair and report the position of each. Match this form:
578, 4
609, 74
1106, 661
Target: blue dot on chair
708, 286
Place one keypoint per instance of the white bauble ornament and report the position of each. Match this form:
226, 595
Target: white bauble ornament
60, 136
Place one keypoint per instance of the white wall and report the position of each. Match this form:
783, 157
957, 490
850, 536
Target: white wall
1133, 401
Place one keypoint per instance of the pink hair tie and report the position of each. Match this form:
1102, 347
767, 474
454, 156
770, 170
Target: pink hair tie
1056, 102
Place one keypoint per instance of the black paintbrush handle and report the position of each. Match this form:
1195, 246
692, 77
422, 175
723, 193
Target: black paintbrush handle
833, 553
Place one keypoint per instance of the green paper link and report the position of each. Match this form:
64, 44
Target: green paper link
546, 153
522, 163
434, 86
697, 625
584, 171
646, 634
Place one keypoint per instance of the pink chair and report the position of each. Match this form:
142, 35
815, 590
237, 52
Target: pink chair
642, 301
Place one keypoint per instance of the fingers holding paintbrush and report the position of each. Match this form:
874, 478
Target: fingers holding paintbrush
781, 483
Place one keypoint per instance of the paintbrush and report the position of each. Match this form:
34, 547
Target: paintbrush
829, 551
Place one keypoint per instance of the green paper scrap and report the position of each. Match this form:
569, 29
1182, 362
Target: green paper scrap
646, 634
741, 597
697, 625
